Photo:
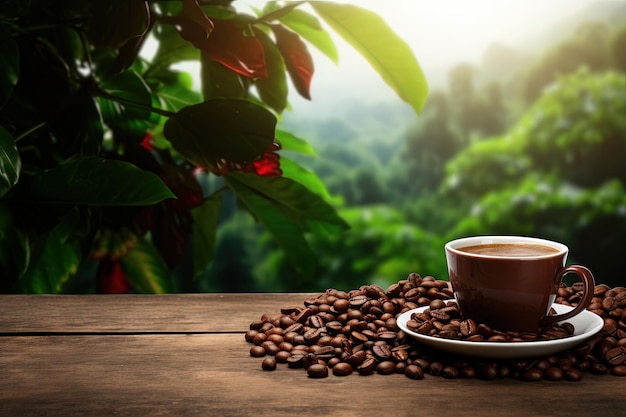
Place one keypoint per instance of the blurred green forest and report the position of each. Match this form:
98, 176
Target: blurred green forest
530, 143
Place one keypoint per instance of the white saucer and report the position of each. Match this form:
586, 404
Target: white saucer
586, 324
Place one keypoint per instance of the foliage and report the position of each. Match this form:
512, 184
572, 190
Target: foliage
381, 246
578, 124
557, 173
588, 47
114, 168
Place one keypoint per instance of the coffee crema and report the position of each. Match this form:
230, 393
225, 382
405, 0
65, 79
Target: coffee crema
515, 250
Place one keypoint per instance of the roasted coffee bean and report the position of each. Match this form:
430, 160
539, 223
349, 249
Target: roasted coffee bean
386, 368
484, 330
414, 372
309, 359
333, 361
259, 338
312, 335
422, 363
541, 364
323, 350
318, 370
295, 361
281, 357
435, 368
616, 356
286, 321
568, 327
295, 328
316, 321
573, 375
488, 372
303, 315
358, 301
382, 352
553, 373
250, 335
467, 372
440, 315
450, 372
342, 369
532, 375
341, 304
270, 348
367, 367
394, 290
437, 304
599, 369
468, 328
370, 334
425, 327
257, 351
413, 295
356, 358
275, 338
619, 370
268, 364
399, 354
448, 334
388, 337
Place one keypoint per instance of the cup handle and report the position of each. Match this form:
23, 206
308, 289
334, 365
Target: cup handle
588, 288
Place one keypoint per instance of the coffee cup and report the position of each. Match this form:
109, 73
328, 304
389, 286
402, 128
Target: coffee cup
510, 282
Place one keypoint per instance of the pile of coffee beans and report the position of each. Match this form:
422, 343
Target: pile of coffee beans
443, 319
343, 333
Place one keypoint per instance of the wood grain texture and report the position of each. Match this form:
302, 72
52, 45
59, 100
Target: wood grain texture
185, 355
138, 313
213, 375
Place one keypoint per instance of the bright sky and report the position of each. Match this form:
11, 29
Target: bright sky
459, 29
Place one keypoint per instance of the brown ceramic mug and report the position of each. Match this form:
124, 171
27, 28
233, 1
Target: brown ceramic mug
510, 282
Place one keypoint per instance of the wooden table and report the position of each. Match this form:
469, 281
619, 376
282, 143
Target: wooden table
185, 355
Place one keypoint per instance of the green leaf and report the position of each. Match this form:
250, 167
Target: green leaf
97, 181
274, 10
287, 234
179, 94
128, 86
308, 178
112, 23
10, 162
231, 129
386, 52
309, 27
172, 48
56, 260
302, 206
204, 232
9, 64
273, 90
220, 82
146, 270
14, 248
290, 142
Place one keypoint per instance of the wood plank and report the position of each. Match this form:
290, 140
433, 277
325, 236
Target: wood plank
213, 375
137, 313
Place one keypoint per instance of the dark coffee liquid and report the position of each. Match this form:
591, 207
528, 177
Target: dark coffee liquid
517, 250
